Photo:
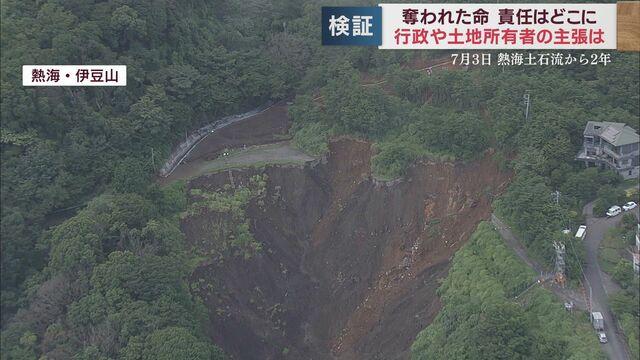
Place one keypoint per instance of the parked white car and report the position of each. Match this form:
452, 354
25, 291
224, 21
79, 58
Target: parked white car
602, 337
582, 231
613, 211
629, 206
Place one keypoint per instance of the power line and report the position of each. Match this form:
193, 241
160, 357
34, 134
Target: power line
575, 254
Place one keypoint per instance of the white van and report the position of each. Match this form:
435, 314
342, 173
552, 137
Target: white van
613, 211
582, 231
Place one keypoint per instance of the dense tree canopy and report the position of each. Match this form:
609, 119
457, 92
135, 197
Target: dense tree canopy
187, 64
118, 267
93, 264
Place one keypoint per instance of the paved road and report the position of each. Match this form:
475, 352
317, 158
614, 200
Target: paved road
616, 348
516, 245
186, 146
277, 153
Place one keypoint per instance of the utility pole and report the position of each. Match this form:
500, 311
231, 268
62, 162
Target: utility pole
527, 102
565, 220
589, 304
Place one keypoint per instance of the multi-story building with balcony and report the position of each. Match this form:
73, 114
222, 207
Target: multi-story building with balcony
611, 145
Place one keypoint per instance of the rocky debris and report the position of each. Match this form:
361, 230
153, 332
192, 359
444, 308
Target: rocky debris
352, 265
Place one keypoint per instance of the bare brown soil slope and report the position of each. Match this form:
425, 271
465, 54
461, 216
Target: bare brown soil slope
349, 266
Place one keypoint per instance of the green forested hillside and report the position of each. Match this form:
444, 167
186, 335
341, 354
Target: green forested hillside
113, 287
188, 62
109, 282
484, 318
78, 203
93, 264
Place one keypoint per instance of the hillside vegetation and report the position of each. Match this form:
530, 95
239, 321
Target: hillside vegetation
93, 264
486, 315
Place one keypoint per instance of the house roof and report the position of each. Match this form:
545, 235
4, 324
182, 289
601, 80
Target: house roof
617, 134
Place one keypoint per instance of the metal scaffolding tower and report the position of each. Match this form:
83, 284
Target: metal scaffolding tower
560, 277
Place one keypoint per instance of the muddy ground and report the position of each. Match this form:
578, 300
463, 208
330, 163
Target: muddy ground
349, 266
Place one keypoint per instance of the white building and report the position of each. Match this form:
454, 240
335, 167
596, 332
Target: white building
611, 145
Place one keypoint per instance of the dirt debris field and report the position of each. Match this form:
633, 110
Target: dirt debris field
349, 266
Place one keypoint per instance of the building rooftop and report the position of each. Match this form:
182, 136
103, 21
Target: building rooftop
617, 134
